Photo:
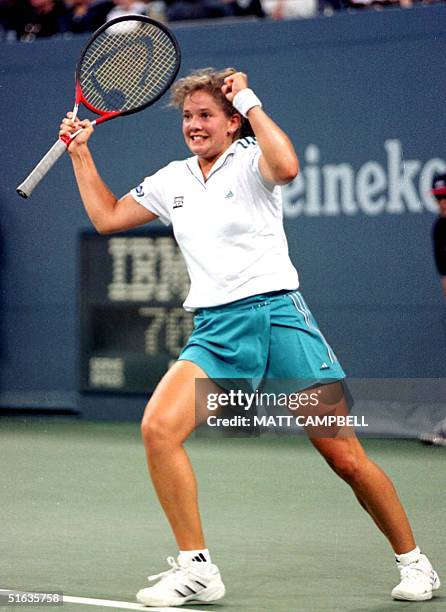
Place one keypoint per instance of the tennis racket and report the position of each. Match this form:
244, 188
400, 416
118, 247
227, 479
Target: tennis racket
126, 66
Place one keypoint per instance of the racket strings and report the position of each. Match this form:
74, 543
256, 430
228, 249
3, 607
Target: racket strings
127, 66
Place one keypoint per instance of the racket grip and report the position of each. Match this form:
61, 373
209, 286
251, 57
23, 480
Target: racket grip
26, 188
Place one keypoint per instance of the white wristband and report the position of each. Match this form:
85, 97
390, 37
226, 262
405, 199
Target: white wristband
244, 100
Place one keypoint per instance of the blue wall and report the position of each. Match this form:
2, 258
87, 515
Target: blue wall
362, 97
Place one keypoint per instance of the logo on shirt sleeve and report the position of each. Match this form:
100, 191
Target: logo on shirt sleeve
139, 191
178, 202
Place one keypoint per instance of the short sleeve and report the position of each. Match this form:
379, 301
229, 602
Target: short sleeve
253, 155
150, 194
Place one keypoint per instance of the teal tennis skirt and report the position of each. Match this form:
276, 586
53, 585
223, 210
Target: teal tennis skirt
263, 339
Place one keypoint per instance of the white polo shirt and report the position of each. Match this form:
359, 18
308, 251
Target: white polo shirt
229, 227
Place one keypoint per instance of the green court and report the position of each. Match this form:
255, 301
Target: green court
78, 515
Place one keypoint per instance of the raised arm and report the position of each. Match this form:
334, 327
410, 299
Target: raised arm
278, 163
107, 213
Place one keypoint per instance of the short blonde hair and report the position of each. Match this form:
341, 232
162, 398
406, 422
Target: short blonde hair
211, 81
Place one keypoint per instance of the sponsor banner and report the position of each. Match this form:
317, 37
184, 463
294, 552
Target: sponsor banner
395, 186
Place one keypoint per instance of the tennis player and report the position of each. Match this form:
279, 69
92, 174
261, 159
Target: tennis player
251, 321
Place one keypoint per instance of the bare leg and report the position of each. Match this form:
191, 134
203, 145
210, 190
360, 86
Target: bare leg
168, 420
372, 487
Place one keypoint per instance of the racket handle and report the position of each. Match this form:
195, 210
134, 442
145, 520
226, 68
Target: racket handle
26, 188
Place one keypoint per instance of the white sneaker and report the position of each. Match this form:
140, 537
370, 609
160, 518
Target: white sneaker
418, 580
184, 584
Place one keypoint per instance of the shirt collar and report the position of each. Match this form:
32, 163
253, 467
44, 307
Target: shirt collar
194, 166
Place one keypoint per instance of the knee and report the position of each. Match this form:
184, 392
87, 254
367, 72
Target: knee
156, 433
347, 466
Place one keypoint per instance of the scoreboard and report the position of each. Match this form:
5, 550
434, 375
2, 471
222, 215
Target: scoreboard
133, 325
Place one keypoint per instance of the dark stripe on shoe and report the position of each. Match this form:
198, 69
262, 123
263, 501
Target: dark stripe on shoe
180, 593
201, 584
190, 589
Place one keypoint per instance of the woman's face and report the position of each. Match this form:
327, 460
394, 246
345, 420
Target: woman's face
207, 130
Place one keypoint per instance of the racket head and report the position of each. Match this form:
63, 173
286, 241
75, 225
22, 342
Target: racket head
126, 66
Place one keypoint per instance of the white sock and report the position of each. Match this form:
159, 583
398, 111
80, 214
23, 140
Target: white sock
408, 557
200, 557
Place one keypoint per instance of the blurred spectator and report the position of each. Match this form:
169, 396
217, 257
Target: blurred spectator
157, 10
84, 16
328, 7
244, 8
179, 10
6, 15
290, 9
37, 18
378, 4
126, 7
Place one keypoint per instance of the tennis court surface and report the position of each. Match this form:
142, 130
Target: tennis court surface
79, 515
